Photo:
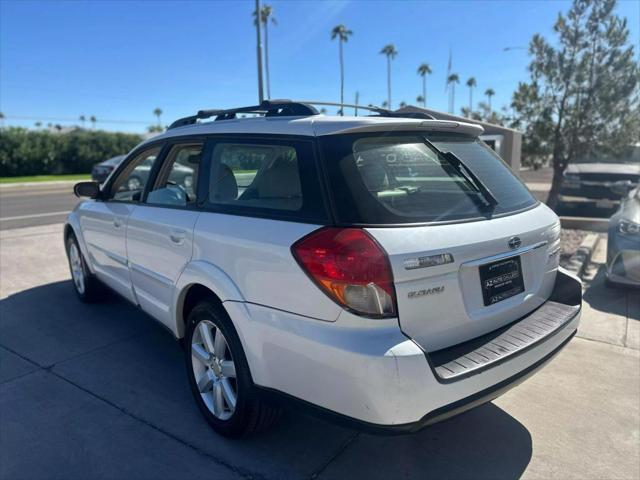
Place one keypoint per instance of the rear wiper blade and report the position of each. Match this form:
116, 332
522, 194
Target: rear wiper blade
466, 173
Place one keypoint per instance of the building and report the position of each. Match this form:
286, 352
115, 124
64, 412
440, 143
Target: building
505, 141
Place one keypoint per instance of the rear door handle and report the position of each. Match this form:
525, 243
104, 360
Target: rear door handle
178, 236
117, 222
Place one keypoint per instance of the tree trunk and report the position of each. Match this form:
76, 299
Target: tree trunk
470, 101
389, 81
424, 91
341, 80
266, 59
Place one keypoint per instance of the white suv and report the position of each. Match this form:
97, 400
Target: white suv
388, 272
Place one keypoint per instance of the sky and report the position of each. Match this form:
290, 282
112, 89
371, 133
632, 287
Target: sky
118, 60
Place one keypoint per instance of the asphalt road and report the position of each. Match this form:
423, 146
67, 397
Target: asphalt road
100, 391
26, 206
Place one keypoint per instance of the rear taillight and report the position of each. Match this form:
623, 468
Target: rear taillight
350, 267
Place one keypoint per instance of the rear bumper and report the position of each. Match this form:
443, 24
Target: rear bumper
375, 378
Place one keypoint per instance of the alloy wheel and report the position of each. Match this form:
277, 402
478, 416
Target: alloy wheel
214, 370
77, 271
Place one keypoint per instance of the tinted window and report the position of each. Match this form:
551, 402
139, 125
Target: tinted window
130, 183
177, 179
400, 179
265, 178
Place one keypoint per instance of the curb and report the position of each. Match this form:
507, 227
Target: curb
580, 259
585, 223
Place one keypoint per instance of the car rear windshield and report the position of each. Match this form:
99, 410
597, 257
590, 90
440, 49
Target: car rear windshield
404, 178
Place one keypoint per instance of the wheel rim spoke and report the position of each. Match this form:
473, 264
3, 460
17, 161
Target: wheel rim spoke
200, 354
205, 335
205, 382
219, 344
228, 393
228, 368
218, 401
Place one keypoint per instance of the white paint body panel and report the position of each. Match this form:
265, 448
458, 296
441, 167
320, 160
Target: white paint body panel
255, 253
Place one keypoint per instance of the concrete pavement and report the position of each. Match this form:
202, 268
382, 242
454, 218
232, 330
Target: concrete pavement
96, 391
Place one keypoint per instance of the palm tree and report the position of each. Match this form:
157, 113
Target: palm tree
420, 99
157, 112
489, 93
391, 52
93, 121
38, 124
342, 33
385, 104
266, 14
423, 70
83, 120
403, 104
2, 117
471, 83
452, 80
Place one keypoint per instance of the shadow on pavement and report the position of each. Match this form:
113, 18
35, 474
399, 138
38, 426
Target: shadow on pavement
609, 299
110, 360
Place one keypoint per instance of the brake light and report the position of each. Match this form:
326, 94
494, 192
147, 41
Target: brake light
351, 268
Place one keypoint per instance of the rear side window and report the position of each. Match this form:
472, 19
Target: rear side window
265, 178
399, 178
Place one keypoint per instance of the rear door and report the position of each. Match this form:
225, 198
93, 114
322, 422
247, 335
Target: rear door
160, 230
104, 223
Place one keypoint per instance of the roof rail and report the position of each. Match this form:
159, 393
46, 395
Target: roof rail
290, 108
384, 112
268, 108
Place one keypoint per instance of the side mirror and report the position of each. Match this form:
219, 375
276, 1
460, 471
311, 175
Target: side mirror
87, 189
622, 188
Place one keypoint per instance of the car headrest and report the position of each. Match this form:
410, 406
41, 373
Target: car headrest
194, 158
225, 187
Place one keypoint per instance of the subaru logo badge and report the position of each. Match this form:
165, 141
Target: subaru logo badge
514, 242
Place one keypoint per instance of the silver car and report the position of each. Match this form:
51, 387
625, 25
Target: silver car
623, 247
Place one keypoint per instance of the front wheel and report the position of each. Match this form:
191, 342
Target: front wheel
219, 374
85, 284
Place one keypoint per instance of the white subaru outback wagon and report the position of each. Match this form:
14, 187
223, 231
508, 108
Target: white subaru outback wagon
384, 271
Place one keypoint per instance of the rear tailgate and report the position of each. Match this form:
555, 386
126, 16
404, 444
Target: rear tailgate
443, 305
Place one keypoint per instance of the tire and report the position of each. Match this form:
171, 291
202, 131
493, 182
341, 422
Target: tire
85, 284
214, 373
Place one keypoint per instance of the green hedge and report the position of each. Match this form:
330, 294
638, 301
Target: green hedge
28, 152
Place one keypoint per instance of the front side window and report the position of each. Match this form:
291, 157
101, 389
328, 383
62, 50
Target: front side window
130, 183
402, 178
177, 180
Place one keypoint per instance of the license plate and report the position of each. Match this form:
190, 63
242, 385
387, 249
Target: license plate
501, 280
